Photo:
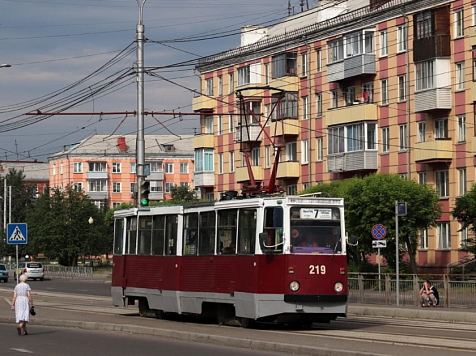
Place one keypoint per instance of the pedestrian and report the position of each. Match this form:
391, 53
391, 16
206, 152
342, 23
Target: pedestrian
429, 295
21, 302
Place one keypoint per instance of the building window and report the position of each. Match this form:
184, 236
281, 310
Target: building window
335, 50
78, 186
54, 169
156, 166
442, 183
403, 176
97, 185
305, 186
384, 91
305, 111
169, 168
422, 131
460, 76
402, 83
132, 168
474, 15
368, 92
292, 189
97, 166
334, 99
133, 188
204, 160
319, 104
385, 140
441, 128
383, 43
318, 60
220, 125
168, 187
232, 161
304, 64
244, 75
304, 152
473, 52
100, 204
284, 65
183, 167
116, 167
266, 74
116, 204
462, 181
220, 163
255, 153
116, 187
463, 236
220, 85
424, 25
423, 239
355, 137
461, 128
267, 153
291, 152
335, 140
209, 87
459, 23
443, 235
157, 186
402, 38
61, 168
77, 167
320, 149
184, 184
231, 80
208, 125
424, 74
349, 95
403, 137
422, 178
231, 123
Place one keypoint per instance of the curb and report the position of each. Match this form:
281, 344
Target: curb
196, 337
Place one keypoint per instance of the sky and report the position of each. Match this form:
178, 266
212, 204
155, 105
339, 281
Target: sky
78, 56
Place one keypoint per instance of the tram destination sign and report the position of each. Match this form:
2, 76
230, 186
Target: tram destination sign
310, 213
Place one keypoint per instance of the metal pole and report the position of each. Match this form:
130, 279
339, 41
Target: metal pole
140, 146
5, 204
379, 285
397, 254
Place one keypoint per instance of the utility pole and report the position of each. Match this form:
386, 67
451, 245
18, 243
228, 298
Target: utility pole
140, 144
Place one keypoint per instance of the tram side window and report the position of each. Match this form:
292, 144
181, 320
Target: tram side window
118, 236
171, 235
273, 225
206, 234
145, 235
158, 233
247, 231
131, 235
190, 231
226, 243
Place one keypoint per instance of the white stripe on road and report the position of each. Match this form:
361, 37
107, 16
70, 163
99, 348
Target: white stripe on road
25, 351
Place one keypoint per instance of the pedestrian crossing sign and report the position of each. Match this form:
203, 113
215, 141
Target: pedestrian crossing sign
17, 234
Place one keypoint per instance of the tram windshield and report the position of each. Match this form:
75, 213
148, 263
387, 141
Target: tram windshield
315, 230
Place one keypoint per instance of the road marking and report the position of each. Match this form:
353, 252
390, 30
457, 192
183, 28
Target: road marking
25, 351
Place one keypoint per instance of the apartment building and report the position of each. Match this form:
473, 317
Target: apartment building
104, 167
341, 92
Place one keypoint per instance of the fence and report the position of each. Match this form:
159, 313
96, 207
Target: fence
455, 290
69, 272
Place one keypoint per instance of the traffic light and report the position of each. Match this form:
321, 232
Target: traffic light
144, 193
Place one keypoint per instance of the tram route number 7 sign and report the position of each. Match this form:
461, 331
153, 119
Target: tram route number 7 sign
379, 231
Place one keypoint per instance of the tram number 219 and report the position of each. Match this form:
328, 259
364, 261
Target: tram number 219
317, 269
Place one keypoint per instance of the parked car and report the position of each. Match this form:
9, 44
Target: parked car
33, 270
3, 273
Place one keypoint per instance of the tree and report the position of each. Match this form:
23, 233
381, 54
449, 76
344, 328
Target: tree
58, 226
182, 194
371, 200
465, 212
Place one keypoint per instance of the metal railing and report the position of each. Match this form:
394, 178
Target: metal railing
455, 290
68, 272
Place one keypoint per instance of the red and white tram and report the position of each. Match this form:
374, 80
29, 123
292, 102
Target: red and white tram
280, 258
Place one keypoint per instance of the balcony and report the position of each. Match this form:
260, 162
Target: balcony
434, 150
287, 83
155, 176
204, 179
352, 161
471, 35
288, 170
285, 127
203, 141
431, 47
335, 71
96, 175
472, 88
352, 113
203, 103
97, 195
350, 67
473, 145
433, 99
156, 196
248, 133
241, 174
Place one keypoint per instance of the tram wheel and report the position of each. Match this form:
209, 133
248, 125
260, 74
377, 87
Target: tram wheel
143, 307
247, 323
159, 314
221, 315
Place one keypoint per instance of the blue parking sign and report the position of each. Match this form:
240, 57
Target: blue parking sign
17, 234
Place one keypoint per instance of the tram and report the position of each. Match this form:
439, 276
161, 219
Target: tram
273, 258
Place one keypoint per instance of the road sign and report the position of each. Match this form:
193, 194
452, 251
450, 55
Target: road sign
379, 231
379, 243
402, 209
17, 234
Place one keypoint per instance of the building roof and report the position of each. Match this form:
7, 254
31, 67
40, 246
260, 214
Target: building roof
34, 171
125, 146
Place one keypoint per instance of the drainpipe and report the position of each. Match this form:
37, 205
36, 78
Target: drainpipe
407, 89
309, 110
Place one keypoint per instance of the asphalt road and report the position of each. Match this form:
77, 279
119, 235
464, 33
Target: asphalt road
51, 341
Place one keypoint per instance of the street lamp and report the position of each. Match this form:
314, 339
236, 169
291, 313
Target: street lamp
90, 221
5, 65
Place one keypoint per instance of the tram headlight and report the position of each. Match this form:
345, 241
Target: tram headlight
294, 286
338, 287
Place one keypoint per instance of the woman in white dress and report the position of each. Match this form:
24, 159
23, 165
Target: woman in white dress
21, 304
